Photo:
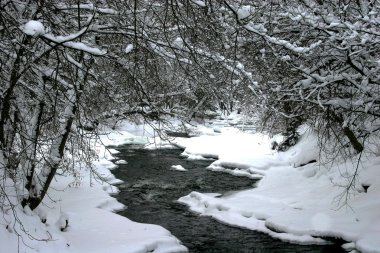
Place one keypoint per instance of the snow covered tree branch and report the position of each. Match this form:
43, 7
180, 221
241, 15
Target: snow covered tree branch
66, 66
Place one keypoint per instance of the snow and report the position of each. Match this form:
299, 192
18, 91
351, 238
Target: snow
199, 3
65, 38
294, 201
83, 47
178, 167
286, 58
121, 162
33, 28
67, 42
245, 11
240, 66
194, 157
128, 133
178, 43
261, 30
129, 48
89, 6
258, 28
78, 212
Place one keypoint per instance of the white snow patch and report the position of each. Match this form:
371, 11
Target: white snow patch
178, 167
33, 28
67, 42
245, 11
121, 162
178, 42
113, 151
199, 3
129, 48
240, 66
194, 157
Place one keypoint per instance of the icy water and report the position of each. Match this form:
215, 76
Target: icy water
151, 189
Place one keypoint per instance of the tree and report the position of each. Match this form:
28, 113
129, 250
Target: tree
323, 67
66, 66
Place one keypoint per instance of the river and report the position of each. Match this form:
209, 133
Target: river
151, 190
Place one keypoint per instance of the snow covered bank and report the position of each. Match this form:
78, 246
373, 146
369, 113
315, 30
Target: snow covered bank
294, 201
78, 213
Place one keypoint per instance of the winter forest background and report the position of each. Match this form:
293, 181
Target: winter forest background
68, 66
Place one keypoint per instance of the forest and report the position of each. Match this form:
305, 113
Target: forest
68, 67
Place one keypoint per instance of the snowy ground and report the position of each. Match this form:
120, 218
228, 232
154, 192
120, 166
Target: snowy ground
293, 202
86, 204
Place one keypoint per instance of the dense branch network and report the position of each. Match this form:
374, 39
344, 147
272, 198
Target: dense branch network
67, 66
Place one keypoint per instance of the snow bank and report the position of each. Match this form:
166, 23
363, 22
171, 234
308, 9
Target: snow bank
294, 201
78, 213
128, 133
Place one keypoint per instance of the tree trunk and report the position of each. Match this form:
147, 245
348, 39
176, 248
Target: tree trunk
56, 151
347, 132
353, 140
31, 153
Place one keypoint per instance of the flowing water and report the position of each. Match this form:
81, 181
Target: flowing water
151, 189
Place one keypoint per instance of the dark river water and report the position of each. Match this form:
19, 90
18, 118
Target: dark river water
151, 189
